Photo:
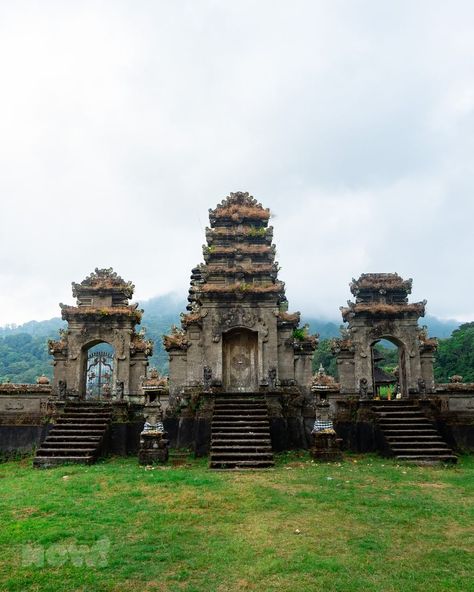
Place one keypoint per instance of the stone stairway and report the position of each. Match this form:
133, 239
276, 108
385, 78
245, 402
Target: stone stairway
240, 433
78, 436
409, 434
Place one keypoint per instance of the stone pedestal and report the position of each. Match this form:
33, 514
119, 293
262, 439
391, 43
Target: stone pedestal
154, 447
326, 446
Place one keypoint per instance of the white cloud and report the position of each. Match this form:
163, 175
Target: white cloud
122, 123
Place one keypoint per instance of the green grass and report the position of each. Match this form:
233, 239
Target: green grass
364, 524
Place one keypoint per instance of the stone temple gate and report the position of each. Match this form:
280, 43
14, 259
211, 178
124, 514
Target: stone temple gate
103, 316
237, 335
382, 311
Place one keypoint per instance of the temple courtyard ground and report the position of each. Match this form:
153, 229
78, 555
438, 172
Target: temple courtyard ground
364, 524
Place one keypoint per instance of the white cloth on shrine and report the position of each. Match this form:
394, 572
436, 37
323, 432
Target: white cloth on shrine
320, 425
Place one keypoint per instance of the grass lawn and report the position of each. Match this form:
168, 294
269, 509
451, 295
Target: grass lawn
364, 524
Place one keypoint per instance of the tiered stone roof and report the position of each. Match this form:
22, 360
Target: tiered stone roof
370, 284
239, 255
382, 294
105, 282
102, 294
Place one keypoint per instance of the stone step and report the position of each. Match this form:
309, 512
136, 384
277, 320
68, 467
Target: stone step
241, 411
240, 420
81, 421
409, 434
387, 425
428, 431
247, 411
241, 448
241, 464
241, 402
219, 441
86, 416
44, 462
401, 414
413, 436
240, 433
394, 402
406, 419
244, 431
75, 433
239, 425
77, 452
450, 458
240, 405
88, 411
54, 445
249, 417
77, 436
251, 405
234, 455
58, 437
416, 447
395, 407
422, 439
88, 408
79, 426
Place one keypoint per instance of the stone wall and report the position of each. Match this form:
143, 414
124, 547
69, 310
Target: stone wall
24, 403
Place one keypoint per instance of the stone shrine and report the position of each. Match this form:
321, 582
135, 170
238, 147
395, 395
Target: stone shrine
240, 361
237, 335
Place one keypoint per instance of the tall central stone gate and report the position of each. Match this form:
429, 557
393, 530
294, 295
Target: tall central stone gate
237, 335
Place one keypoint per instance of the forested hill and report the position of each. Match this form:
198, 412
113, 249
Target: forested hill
24, 355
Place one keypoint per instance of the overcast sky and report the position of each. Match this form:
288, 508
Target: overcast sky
122, 122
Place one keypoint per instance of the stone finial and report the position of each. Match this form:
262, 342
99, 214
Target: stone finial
322, 379
42, 379
175, 340
380, 282
154, 380
103, 280
238, 207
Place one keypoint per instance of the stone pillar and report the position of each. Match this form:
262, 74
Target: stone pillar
346, 372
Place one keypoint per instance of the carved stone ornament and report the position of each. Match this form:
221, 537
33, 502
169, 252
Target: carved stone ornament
382, 329
363, 388
120, 344
238, 317
207, 377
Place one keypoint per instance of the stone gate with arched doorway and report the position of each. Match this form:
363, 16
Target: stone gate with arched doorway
237, 335
240, 361
102, 317
382, 311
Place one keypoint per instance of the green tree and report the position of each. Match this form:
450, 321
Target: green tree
455, 355
323, 355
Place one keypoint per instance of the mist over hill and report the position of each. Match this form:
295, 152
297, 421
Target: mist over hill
24, 355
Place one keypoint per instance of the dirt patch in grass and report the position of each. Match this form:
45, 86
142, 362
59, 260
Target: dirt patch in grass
433, 485
24, 513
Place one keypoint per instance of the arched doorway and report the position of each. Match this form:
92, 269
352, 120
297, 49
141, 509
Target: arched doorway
98, 372
388, 368
240, 360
